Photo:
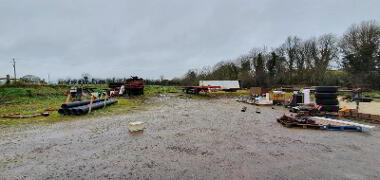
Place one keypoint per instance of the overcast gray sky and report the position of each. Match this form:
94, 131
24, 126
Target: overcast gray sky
150, 38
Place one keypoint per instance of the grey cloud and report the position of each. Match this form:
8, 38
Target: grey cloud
153, 38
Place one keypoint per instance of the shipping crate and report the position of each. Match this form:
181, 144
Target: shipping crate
278, 97
281, 97
255, 91
258, 91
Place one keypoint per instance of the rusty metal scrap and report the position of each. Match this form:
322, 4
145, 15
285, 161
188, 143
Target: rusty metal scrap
17, 116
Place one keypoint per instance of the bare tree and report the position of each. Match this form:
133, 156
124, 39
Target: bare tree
290, 48
323, 52
305, 54
328, 50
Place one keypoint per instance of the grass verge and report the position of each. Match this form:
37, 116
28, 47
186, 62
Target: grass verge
29, 100
123, 106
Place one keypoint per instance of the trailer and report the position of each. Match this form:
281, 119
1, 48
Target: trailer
197, 89
224, 85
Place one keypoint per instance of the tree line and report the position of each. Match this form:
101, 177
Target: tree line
349, 60
87, 79
352, 60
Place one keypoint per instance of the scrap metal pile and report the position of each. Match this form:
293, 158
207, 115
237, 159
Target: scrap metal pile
83, 107
19, 116
321, 123
308, 113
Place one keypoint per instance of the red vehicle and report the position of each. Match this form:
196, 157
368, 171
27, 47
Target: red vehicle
132, 86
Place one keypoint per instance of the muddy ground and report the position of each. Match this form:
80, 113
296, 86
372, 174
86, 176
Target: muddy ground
188, 139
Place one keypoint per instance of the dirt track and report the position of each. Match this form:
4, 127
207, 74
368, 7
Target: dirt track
188, 139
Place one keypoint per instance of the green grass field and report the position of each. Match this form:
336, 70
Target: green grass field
36, 99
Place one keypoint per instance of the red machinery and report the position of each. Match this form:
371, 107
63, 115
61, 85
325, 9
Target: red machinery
132, 86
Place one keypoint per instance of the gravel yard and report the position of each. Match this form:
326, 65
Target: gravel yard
187, 139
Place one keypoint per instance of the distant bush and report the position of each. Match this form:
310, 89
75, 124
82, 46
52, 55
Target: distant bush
20, 84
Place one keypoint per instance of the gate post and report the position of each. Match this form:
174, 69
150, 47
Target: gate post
8, 79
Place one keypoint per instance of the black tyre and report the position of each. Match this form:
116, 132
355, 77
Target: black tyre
326, 95
326, 89
329, 108
327, 101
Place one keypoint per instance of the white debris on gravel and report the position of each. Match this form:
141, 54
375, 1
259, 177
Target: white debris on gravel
345, 122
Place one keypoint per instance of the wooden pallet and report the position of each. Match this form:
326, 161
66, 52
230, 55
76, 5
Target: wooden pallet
299, 125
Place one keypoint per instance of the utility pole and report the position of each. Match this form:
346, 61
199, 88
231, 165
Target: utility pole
14, 67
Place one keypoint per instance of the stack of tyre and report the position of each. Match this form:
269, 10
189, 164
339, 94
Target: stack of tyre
326, 98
